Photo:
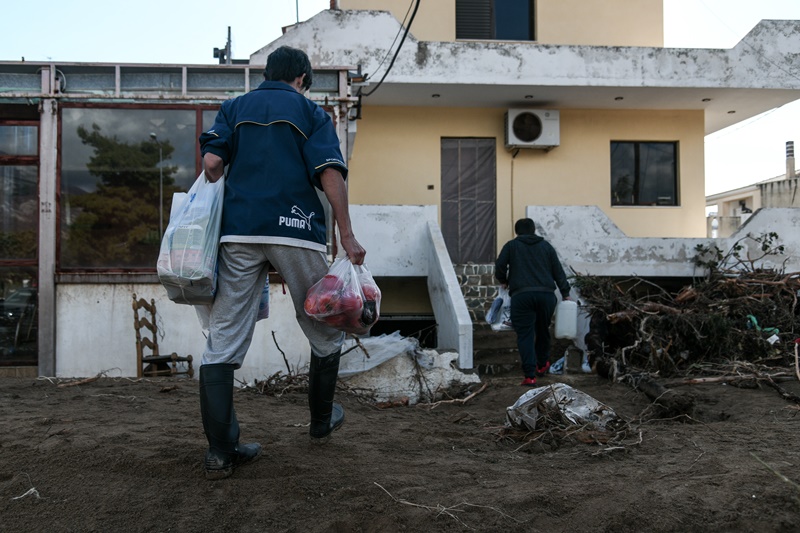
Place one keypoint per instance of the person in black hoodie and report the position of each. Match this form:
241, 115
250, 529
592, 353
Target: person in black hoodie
529, 267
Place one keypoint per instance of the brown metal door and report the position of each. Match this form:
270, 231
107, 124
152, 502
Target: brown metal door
469, 197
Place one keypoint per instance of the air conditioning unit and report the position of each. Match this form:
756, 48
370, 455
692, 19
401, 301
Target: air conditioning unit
532, 128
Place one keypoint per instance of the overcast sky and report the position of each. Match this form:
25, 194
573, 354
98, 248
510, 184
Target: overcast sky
186, 32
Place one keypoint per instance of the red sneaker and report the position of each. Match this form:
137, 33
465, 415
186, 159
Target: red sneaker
528, 382
542, 370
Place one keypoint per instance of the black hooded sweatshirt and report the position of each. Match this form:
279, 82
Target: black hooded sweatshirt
530, 263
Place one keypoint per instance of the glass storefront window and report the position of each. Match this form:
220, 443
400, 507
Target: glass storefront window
19, 140
113, 176
19, 316
18, 212
208, 118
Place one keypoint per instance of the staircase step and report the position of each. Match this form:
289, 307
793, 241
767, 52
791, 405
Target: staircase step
494, 352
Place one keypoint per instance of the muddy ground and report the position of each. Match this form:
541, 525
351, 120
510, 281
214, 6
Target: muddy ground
125, 455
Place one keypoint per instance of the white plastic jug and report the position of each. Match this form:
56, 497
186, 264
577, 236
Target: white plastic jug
567, 320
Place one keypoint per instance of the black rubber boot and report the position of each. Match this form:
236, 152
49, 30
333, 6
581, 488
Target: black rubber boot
220, 424
326, 416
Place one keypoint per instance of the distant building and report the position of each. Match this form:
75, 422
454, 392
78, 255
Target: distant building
728, 210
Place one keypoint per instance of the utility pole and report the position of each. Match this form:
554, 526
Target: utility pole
224, 54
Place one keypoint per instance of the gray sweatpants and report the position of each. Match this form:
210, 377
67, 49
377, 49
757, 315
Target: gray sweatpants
243, 270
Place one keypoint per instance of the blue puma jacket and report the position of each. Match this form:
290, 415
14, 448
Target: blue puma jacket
275, 142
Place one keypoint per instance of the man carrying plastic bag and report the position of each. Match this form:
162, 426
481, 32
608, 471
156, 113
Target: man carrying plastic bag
278, 147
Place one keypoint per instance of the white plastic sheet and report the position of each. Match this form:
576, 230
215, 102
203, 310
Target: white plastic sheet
380, 348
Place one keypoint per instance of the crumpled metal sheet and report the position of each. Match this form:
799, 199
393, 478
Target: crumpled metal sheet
578, 407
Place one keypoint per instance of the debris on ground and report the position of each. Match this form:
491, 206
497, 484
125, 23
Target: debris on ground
554, 414
539, 404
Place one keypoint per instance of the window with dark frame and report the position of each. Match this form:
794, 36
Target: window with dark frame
19, 192
19, 245
644, 173
502, 20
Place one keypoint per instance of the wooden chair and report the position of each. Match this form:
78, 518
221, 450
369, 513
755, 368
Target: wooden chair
153, 364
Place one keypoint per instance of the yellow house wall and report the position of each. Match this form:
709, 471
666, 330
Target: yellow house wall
396, 160
577, 22
601, 22
435, 20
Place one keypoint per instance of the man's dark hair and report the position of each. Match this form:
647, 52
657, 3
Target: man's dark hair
286, 64
524, 226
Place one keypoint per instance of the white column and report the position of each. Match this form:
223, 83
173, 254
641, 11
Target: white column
48, 137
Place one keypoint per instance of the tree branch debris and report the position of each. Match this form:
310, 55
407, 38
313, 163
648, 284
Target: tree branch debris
738, 323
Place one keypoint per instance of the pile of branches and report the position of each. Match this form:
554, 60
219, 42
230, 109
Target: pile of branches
739, 310
279, 384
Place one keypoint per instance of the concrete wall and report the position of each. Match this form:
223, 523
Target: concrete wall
785, 221
589, 243
95, 332
452, 317
402, 146
782, 193
607, 22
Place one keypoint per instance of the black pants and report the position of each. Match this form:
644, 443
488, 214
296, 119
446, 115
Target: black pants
531, 314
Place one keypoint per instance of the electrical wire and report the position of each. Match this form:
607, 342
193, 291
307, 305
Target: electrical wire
396, 53
399, 31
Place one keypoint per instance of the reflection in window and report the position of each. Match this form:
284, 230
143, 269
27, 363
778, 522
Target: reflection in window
19, 316
506, 20
112, 177
208, 118
644, 173
19, 140
19, 213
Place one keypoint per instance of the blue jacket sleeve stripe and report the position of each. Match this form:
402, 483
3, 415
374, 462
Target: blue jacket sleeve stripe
271, 123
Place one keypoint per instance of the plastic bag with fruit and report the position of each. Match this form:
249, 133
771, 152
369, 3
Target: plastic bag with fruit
347, 298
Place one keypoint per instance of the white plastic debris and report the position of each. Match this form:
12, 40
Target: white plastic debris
380, 349
578, 407
410, 377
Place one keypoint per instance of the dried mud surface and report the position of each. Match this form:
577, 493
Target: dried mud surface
123, 455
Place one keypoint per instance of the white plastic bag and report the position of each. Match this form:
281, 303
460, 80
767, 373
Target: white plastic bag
187, 261
502, 318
